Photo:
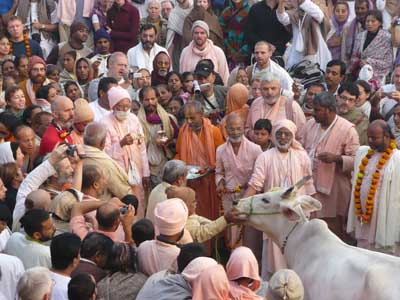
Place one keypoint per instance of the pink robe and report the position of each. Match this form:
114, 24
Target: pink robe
261, 110
333, 183
235, 170
136, 152
155, 256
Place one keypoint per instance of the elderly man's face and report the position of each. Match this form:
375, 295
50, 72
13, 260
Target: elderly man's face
271, 91
235, 130
65, 172
64, 113
154, 10
38, 73
283, 138
148, 38
26, 139
119, 68
310, 94
194, 119
163, 65
199, 37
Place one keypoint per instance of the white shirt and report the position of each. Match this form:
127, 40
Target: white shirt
31, 253
138, 58
98, 111
11, 270
60, 289
4, 237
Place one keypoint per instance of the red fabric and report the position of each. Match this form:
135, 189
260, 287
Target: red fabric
50, 139
124, 24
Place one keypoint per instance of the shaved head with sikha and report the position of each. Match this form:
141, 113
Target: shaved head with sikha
235, 127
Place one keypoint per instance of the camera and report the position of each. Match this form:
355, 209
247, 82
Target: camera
196, 87
124, 210
71, 150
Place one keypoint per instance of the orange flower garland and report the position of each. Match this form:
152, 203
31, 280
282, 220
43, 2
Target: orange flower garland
27, 46
365, 217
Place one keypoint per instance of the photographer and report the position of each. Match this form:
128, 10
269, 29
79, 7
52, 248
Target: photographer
212, 97
110, 216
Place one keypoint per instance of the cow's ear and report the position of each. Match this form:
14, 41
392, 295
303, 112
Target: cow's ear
309, 204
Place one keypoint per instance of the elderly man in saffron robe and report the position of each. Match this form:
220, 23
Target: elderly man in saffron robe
159, 130
331, 143
235, 162
125, 142
273, 106
197, 143
281, 166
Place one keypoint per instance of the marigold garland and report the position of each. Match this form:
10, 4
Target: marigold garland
365, 217
27, 46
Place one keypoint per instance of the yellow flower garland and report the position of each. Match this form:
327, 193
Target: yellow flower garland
365, 217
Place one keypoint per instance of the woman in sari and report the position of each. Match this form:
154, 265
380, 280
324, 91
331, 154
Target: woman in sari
339, 21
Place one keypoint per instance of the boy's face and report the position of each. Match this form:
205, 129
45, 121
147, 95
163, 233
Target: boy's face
261, 137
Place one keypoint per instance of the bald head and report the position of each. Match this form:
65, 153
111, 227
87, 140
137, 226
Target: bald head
108, 217
379, 135
235, 127
63, 110
234, 118
95, 135
26, 139
38, 199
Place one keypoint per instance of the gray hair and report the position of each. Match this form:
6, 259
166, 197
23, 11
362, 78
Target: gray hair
198, 107
113, 57
151, 2
34, 284
325, 99
94, 134
268, 77
173, 169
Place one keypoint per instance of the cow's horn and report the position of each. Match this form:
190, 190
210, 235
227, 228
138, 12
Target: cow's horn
296, 186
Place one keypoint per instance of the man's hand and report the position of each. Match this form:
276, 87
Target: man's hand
234, 216
221, 188
36, 25
59, 153
117, 202
126, 140
328, 158
128, 218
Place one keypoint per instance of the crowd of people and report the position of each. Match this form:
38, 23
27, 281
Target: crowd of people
129, 131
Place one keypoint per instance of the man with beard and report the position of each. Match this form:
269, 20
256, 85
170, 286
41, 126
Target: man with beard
161, 67
29, 247
273, 106
346, 108
331, 143
142, 55
37, 79
335, 72
76, 42
59, 131
197, 143
159, 129
25, 136
201, 47
375, 193
283, 165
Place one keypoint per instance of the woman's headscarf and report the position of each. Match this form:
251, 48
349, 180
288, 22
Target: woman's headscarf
212, 283
285, 284
196, 266
242, 264
339, 27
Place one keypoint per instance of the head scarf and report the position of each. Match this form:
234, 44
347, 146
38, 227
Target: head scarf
291, 127
339, 27
236, 98
82, 112
196, 266
170, 216
116, 94
212, 283
35, 60
8, 152
201, 24
285, 284
155, 78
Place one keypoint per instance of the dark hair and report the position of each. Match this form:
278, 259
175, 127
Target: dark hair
142, 230
337, 62
33, 219
131, 199
148, 89
104, 84
263, 124
27, 114
7, 173
326, 99
349, 87
174, 73
163, 86
185, 75
90, 175
81, 287
96, 243
375, 13
188, 253
38, 117
18, 59
69, 83
9, 120
107, 219
365, 85
5, 61
5, 214
178, 99
147, 26
51, 68
64, 248
317, 84
10, 91
43, 91
123, 258
71, 53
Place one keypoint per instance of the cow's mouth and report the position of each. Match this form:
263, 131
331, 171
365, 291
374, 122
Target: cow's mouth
290, 214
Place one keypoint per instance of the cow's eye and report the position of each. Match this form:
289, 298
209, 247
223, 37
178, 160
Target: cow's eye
265, 200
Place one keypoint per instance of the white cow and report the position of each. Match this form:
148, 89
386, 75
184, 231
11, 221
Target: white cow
329, 268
